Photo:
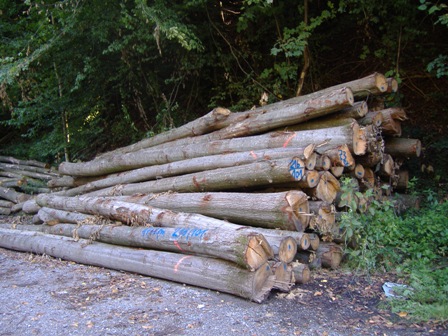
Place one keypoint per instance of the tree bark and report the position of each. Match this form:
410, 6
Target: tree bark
284, 210
255, 174
210, 273
183, 167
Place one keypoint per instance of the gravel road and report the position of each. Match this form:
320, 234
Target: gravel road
41, 295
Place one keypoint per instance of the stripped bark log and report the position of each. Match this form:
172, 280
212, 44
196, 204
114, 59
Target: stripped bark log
210, 273
284, 210
223, 244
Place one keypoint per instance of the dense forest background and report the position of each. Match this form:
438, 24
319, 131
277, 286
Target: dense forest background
80, 77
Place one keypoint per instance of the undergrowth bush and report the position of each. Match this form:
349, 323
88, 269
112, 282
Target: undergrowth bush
415, 245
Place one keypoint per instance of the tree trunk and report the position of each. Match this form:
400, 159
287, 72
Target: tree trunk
10, 159
323, 220
205, 124
50, 216
239, 248
5, 210
403, 147
183, 167
210, 273
137, 214
13, 196
263, 173
284, 210
326, 138
259, 124
340, 157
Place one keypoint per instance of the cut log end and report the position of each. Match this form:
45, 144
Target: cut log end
302, 274
258, 252
287, 249
263, 283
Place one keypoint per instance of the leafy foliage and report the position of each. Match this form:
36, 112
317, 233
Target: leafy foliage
414, 245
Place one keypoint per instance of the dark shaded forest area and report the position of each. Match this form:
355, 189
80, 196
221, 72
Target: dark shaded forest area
82, 77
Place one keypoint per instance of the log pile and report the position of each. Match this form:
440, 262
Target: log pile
20, 180
246, 200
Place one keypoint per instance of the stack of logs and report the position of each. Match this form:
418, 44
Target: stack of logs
20, 179
236, 202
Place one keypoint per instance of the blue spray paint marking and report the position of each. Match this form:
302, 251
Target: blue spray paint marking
296, 169
189, 233
153, 231
343, 157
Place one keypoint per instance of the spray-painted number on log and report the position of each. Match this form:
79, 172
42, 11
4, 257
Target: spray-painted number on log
189, 233
343, 158
296, 169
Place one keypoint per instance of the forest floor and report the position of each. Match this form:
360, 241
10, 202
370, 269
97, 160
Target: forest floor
41, 295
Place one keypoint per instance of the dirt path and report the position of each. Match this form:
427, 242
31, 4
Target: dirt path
41, 295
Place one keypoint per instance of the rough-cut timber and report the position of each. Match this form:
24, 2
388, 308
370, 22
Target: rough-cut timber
183, 167
205, 124
330, 254
240, 248
215, 274
284, 210
263, 173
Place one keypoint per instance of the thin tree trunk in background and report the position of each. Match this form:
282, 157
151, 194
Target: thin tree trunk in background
64, 118
306, 54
